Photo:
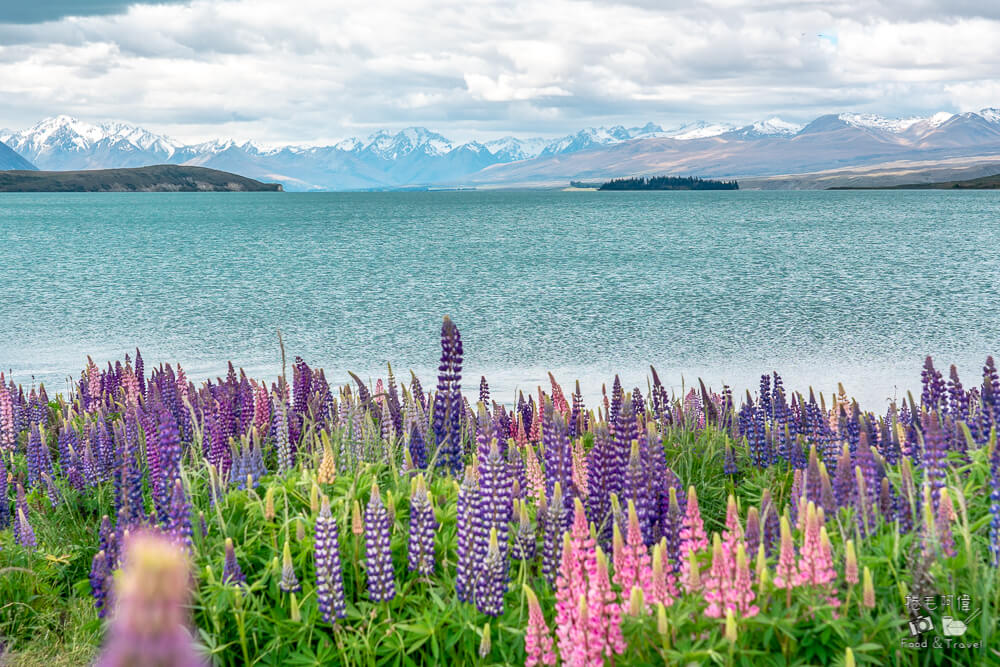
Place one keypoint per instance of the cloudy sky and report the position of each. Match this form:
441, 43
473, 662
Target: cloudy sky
316, 70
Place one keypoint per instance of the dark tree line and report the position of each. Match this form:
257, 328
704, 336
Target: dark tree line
668, 183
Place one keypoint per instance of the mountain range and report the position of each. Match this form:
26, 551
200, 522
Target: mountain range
418, 157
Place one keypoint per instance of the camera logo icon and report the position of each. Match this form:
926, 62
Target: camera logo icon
925, 624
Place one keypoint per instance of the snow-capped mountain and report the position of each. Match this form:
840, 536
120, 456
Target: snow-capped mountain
772, 127
698, 130
416, 156
64, 142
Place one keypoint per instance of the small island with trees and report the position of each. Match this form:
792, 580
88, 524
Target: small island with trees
668, 183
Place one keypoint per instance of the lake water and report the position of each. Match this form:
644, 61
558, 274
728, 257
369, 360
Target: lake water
821, 286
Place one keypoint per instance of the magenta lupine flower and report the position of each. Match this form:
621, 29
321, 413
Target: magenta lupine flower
584, 561
491, 582
693, 537
537, 636
634, 566
733, 534
786, 574
663, 584
329, 576
150, 623
585, 649
423, 527
605, 612
231, 572
378, 550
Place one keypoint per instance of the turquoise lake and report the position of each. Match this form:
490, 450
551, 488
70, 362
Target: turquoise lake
821, 286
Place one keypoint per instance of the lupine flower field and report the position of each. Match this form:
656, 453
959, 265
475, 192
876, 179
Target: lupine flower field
146, 520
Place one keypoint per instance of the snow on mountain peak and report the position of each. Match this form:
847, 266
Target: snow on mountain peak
393, 146
991, 114
876, 122
698, 130
775, 125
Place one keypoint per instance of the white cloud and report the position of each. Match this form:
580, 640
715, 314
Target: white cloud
319, 70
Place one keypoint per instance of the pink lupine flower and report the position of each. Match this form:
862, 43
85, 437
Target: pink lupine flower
584, 557
584, 649
717, 580
533, 470
815, 559
693, 537
579, 467
733, 533
605, 612
785, 576
942, 524
93, 382
739, 595
537, 636
633, 568
566, 602
559, 398
261, 407
663, 584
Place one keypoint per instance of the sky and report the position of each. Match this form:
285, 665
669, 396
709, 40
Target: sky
315, 71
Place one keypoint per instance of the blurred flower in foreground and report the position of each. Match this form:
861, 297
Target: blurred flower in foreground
149, 625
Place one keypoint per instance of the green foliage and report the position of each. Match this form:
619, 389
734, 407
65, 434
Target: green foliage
47, 617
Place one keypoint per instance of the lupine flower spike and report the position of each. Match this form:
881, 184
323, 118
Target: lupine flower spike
150, 624
537, 636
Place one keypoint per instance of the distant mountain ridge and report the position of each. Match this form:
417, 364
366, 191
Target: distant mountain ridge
416, 156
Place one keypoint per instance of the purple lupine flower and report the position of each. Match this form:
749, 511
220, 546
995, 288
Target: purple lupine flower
418, 391
616, 402
329, 576
286, 459
869, 467
935, 450
495, 502
51, 490
25, 534
604, 477
770, 521
575, 417
990, 399
558, 454
491, 584
450, 378
484, 391
673, 521
168, 451
423, 526
231, 572
140, 373
525, 546
378, 550
556, 522
150, 623
994, 505
765, 396
418, 449
637, 490
933, 394
468, 493
661, 402
100, 583
958, 399
518, 471
38, 455
843, 479
178, 522
752, 532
